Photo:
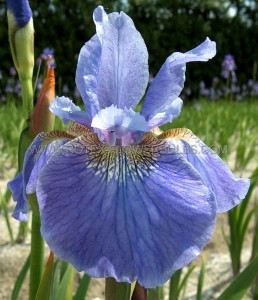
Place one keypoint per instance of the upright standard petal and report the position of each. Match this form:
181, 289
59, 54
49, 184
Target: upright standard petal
169, 82
132, 213
228, 189
86, 77
168, 114
116, 72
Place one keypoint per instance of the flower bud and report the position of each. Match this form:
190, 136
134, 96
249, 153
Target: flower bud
42, 119
21, 38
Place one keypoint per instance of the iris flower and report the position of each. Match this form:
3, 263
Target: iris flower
116, 199
229, 67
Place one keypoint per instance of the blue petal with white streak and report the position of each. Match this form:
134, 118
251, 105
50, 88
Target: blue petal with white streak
169, 82
113, 65
132, 213
168, 114
86, 77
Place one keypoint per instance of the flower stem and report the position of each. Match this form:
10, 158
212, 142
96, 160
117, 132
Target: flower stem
117, 290
139, 292
37, 250
27, 95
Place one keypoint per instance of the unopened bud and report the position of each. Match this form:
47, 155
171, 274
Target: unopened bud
21, 38
42, 119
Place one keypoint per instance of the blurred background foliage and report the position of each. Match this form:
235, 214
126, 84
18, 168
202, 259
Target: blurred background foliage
166, 26
229, 128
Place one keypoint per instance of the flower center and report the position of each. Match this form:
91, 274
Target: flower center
118, 126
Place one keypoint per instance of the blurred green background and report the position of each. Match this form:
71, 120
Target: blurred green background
166, 26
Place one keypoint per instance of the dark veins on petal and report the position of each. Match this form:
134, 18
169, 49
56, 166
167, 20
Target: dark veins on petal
114, 162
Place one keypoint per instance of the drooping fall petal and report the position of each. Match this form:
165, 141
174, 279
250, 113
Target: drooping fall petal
228, 189
22, 207
130, 210
36, 157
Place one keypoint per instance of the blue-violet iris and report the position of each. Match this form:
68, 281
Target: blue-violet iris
21, 11
117, 199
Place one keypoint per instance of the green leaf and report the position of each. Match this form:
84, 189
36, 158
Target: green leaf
36, 255
65, 290
239, 286
47, 279
83, 288
117, 290
63, 268
4, 206
24, 142
56, 279
200, 282
155, 293
174, 285
152, 294
183, 282
255, 236
20, 279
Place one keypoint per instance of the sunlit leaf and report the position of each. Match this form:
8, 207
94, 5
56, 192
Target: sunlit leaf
65, 290
117, 290
82, 288
239, 286
20, 279
44, 290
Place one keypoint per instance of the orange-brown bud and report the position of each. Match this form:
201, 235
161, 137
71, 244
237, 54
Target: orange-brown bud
42, 119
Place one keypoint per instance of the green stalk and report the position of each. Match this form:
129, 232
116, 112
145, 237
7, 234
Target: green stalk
227, 85
4, 208
37, 250
174, 285
255, 253
139, 292
117, 290
27, 95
